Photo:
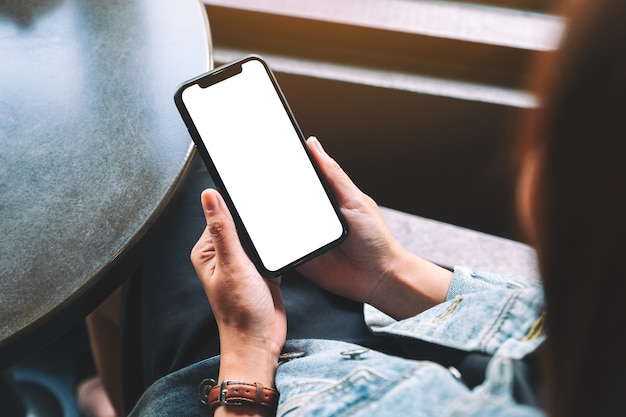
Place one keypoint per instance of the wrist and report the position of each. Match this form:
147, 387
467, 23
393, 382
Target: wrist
248, 362
410, 285
239, 398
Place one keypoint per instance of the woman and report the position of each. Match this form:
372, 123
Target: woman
572, 201
574, 178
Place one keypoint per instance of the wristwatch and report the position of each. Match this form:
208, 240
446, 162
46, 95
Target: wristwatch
230, 392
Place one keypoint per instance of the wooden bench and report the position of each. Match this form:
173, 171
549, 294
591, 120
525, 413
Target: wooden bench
416, 99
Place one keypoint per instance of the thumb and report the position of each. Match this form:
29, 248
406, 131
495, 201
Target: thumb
221, 227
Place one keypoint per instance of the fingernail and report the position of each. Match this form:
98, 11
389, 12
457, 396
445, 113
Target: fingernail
209, 200
318, 144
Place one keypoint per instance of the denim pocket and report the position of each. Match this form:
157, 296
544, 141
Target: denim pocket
449, 311
331, 397
415, 388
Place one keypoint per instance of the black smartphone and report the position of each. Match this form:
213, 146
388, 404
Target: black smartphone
258, 158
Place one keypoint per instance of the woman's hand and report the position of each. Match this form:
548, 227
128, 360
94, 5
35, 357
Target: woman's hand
371, 266
247, 307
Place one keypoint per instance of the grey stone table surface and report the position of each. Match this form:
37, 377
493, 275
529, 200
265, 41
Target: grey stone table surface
91, 147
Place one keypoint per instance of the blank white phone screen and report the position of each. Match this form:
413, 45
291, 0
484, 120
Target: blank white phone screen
263, 166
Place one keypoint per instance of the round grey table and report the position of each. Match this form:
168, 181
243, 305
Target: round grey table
91, 149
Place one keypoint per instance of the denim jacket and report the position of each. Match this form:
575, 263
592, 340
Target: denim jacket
497, 315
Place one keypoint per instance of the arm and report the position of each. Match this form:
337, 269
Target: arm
371, 266
248, 308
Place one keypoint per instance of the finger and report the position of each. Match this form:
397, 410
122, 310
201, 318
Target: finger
342, 186
221, 227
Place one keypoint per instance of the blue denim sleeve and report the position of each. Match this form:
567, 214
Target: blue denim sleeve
466, 281
492, 314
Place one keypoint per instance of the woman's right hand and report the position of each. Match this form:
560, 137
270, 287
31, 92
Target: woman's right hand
370, 265
248, 308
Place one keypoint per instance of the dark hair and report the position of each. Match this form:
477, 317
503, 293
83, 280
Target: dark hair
579, 136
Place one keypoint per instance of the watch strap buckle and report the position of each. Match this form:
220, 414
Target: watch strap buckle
222, 398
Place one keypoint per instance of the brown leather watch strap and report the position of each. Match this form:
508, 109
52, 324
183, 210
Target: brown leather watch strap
240, 393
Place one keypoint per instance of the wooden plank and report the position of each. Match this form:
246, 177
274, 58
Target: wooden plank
388, 79
357, 41
462, 21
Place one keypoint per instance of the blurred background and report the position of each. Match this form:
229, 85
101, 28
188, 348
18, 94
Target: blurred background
418, 100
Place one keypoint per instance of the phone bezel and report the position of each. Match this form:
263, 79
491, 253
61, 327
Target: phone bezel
215, 76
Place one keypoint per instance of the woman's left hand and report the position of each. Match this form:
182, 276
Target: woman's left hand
248, 308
